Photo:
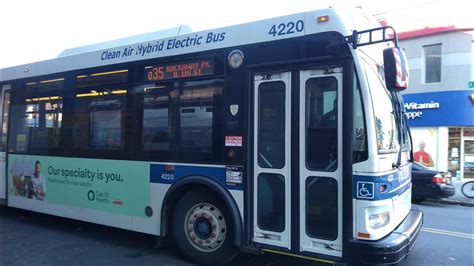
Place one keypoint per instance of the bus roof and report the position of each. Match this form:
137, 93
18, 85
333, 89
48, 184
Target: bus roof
167, 33
248, 33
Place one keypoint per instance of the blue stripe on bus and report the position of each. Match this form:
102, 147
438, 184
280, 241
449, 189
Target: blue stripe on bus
368, 187
158, 174
396, 183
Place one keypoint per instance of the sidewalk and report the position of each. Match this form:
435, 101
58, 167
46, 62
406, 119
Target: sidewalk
458, 198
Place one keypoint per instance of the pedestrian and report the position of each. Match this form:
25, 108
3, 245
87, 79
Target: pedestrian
423, 157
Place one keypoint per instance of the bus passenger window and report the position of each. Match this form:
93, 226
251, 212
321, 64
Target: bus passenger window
321, 124
106, 124
37, 117
196, 115
43, 118
98, 119
179, 117
156, 133
99, 111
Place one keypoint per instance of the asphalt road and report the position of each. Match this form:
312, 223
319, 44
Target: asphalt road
447, 236
28, 238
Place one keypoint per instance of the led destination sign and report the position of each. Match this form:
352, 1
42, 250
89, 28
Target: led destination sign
187, 69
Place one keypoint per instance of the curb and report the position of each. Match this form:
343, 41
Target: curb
453, 202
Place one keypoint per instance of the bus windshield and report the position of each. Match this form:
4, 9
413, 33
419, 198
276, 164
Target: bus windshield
388, 132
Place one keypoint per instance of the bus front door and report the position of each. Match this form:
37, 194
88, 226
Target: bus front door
272, 163
297, 168
320, 161
4, 107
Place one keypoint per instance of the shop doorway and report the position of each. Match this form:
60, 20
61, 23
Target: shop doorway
468, 158
461, 153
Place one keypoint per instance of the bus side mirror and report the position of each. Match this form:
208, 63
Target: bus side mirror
395, 69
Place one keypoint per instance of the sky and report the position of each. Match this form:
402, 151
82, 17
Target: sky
32, 30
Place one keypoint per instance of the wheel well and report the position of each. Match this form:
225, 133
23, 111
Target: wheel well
171, 201
174, 194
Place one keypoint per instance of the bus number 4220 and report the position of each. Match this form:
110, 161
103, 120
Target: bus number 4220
167, 176
285, 29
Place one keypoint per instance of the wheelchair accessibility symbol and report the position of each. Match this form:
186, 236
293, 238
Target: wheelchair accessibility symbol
365, 190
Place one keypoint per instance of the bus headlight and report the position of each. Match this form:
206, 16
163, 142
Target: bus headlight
379, 220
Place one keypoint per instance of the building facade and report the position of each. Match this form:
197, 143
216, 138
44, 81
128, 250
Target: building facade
440, 99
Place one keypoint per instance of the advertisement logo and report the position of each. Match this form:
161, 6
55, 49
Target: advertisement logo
117, 202
91, 195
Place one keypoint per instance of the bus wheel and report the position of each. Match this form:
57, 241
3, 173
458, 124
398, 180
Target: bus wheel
202, 228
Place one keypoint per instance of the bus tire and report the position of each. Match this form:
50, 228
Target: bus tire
203, 229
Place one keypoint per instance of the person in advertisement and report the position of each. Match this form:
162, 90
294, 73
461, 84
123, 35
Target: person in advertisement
39, 183
423, 157
35, 185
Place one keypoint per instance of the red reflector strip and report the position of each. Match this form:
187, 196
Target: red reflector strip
402, 74
169, 168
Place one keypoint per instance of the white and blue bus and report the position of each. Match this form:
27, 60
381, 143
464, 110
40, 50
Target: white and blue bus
285, 136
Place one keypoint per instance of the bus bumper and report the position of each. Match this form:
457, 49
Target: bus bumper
391, 249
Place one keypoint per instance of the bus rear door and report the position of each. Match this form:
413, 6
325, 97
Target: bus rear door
298, 169
4, 107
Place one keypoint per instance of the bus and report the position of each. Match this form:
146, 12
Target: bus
285, 135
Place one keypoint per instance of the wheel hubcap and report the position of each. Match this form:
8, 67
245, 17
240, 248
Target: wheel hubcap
205, 227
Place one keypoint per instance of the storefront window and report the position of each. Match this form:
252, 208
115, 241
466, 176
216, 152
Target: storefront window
468, 158
461, 153
454, 147
468, 132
